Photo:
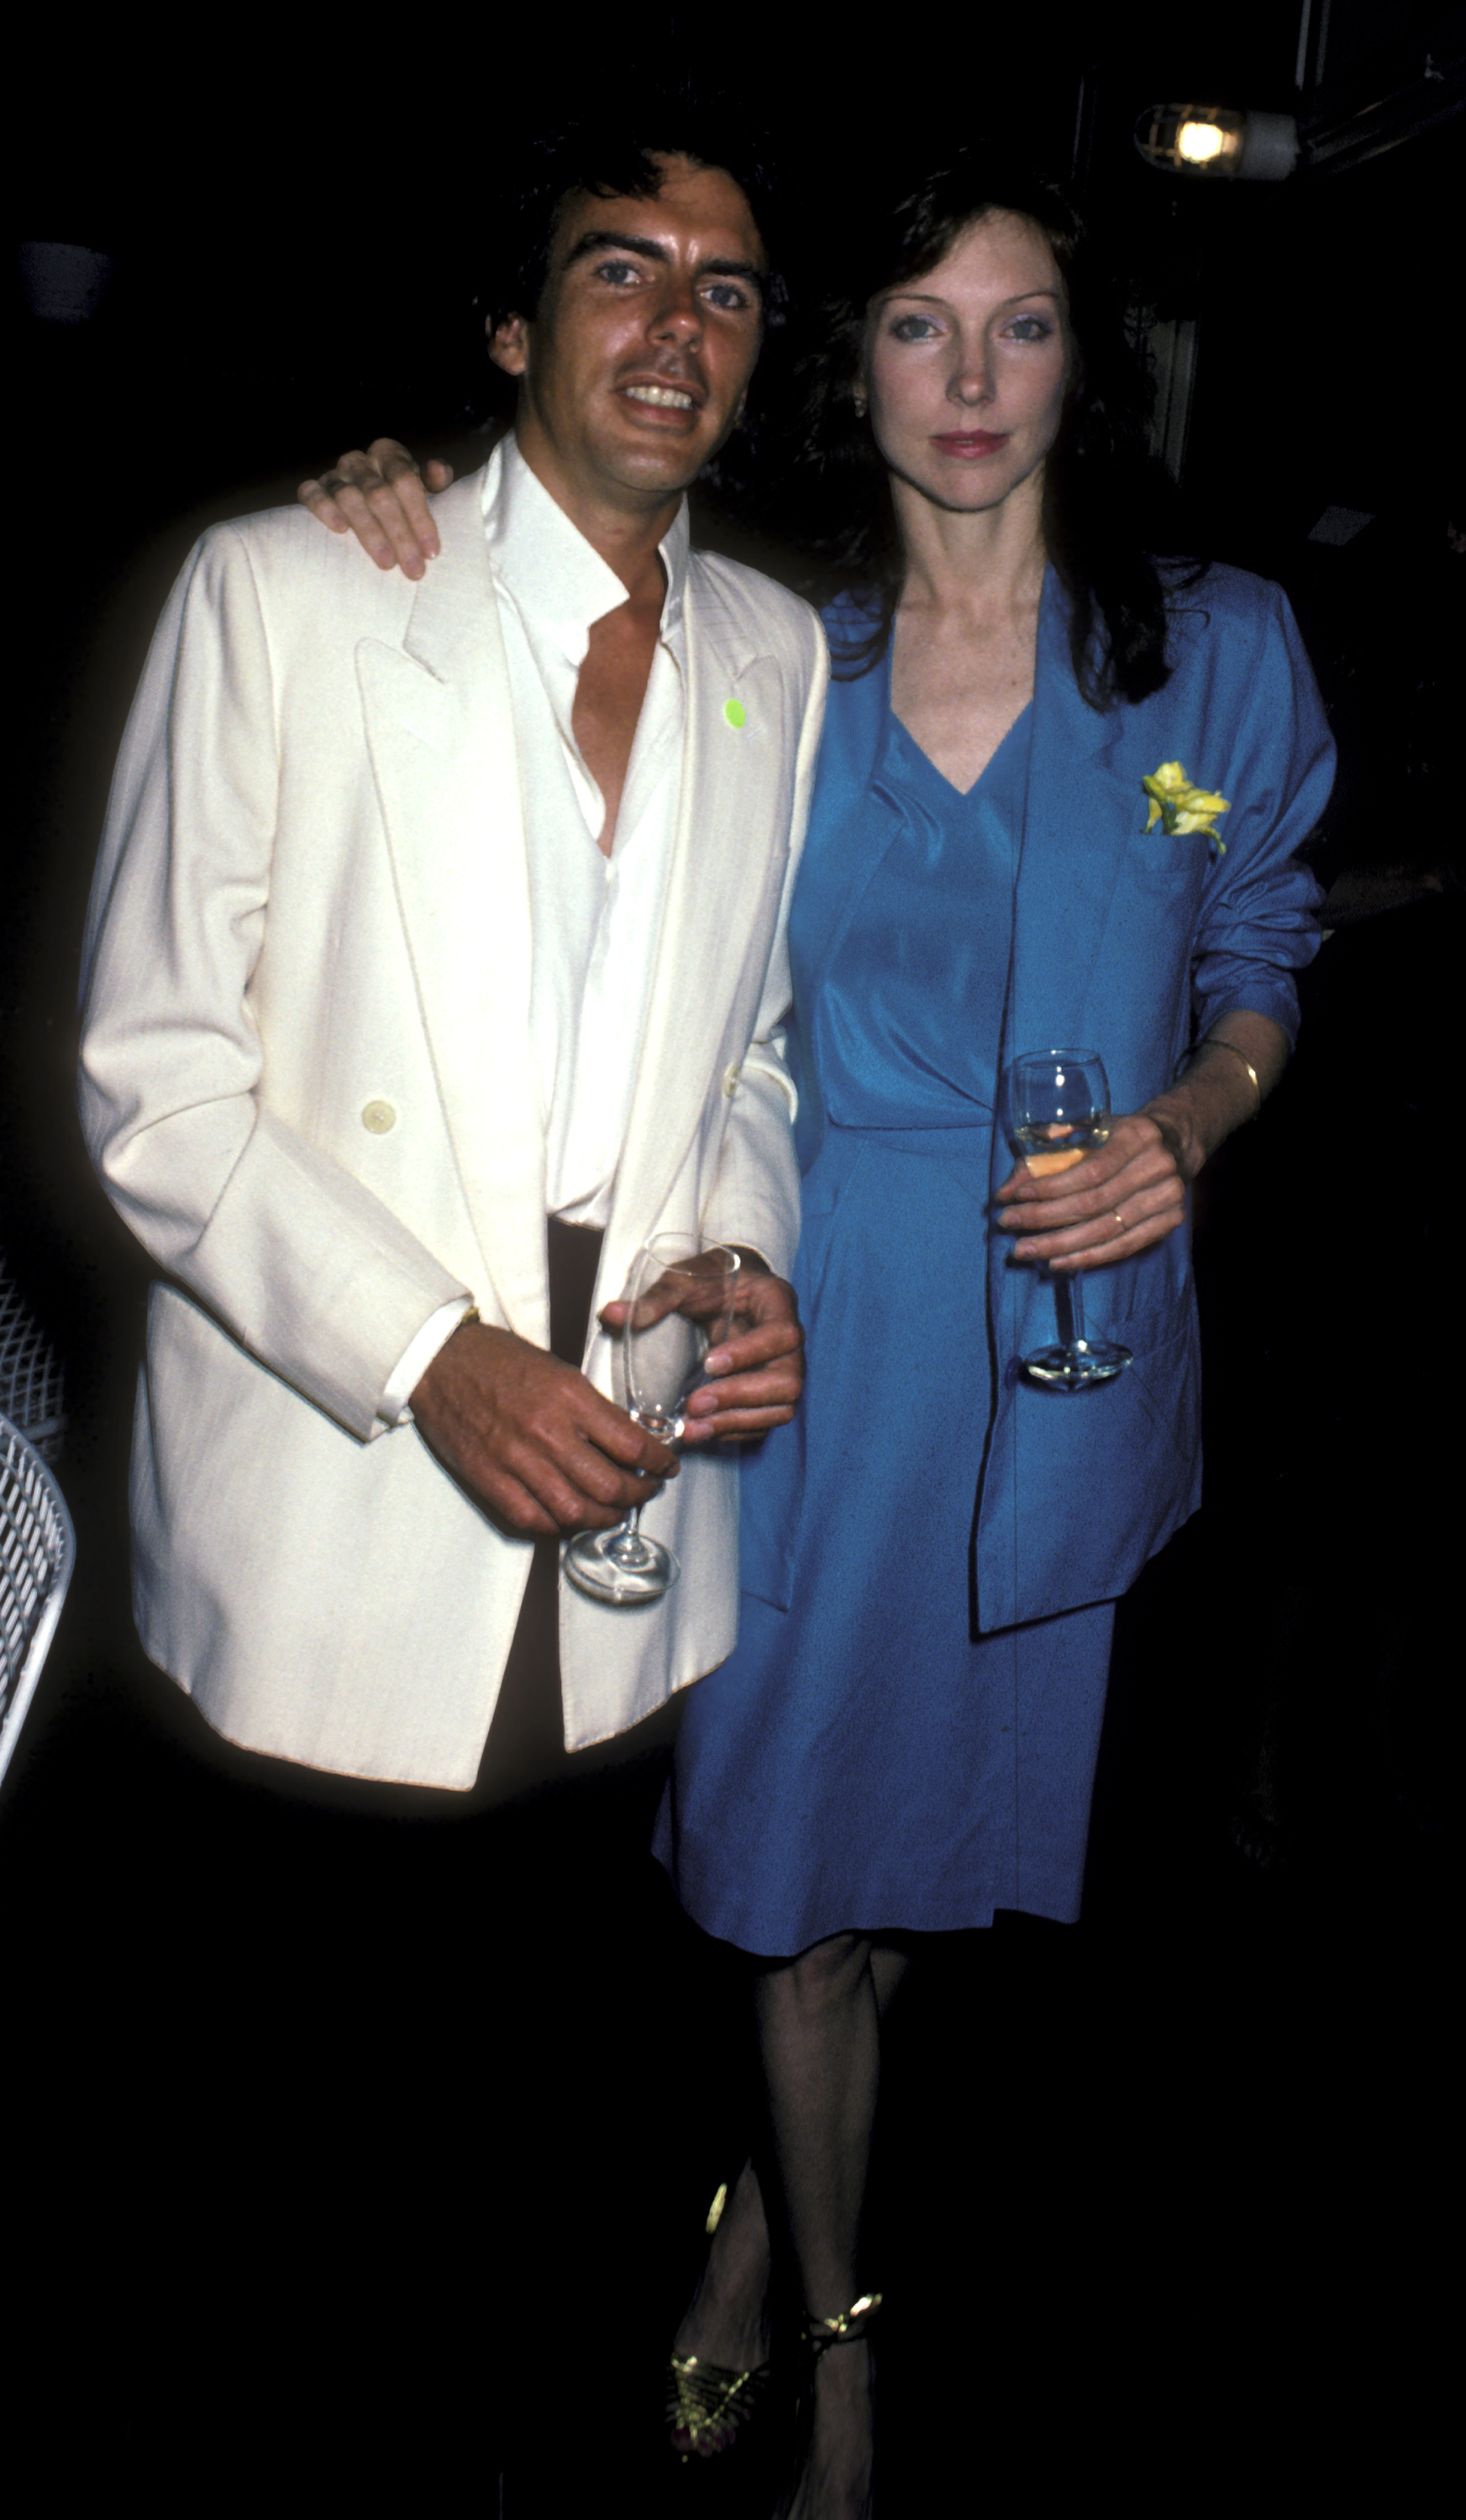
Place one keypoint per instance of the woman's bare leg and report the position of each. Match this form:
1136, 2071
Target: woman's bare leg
726, 2321
817, 2020
819, 2034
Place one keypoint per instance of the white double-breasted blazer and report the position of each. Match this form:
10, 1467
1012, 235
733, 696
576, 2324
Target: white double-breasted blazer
307, 1083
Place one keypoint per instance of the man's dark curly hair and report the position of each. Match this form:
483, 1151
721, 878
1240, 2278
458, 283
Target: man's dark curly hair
1094, 472
596, 154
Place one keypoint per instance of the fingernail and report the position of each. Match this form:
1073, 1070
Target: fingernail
716, 1361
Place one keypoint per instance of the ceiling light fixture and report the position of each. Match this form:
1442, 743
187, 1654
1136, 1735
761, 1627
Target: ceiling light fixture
1212, 140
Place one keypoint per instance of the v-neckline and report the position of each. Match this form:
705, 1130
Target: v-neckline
962, 796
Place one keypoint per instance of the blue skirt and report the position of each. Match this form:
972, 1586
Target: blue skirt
865, 1761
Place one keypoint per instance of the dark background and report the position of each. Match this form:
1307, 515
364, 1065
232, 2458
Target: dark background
411, 2118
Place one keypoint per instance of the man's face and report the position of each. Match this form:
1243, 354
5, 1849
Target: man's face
633, 370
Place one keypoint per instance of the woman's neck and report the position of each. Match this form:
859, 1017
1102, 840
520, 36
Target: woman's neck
987, 565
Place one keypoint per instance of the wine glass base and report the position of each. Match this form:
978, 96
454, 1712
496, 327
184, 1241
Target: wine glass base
591, 1565
1074, 1368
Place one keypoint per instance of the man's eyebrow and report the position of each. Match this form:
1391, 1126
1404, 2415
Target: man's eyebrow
598, 239
723, 268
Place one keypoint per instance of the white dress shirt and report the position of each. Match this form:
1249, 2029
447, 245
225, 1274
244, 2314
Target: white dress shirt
595, 919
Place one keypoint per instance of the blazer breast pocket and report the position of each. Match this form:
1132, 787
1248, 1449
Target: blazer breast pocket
1170, 870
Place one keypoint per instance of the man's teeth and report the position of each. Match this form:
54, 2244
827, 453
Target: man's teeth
669, 396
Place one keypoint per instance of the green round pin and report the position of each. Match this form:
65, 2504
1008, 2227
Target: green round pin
735, 712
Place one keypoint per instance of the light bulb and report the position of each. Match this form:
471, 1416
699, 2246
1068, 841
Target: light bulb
1200, 142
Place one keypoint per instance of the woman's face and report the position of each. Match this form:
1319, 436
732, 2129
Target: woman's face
965, 366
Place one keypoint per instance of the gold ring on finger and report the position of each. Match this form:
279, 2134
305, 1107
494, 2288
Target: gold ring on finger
1120, 1220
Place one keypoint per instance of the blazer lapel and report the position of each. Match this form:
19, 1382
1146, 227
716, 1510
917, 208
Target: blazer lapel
440, 733
1072, 851
832, 881
722, 870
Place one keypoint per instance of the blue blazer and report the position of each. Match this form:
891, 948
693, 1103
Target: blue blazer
1132, 943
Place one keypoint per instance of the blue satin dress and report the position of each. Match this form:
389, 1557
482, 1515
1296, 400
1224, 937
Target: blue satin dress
865, 1760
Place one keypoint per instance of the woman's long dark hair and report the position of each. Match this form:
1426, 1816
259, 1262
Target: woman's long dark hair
1094, 472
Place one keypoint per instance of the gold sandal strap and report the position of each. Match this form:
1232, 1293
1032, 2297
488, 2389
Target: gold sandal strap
704, 2396
847, 2327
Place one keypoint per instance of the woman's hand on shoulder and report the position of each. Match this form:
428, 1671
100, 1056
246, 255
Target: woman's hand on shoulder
1120, 1200
382, 498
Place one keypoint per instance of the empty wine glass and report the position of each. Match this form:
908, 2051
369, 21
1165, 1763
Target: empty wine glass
679, 1304
1059, 1108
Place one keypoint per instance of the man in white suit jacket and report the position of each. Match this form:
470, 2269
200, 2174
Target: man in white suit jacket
309, 1076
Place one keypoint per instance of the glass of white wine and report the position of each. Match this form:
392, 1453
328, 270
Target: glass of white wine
1059, 1109
679, 1303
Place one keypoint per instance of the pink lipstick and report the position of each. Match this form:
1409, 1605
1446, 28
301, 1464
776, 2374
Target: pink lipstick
969, 444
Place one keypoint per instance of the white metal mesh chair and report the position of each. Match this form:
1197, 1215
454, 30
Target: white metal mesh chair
31, 1380
37, 1546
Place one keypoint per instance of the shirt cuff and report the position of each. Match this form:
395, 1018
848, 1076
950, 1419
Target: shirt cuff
413, 1362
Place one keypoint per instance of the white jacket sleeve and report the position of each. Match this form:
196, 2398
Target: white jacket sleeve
297, 1258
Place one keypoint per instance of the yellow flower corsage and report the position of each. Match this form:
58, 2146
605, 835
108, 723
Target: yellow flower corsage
1177, 806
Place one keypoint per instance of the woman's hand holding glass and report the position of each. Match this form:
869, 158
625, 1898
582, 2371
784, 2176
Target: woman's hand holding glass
711, 1349
754, 1377
1120, 1199
679, 1309
1130, 1194
1058, 1114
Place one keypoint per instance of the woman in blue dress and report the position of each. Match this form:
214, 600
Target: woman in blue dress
904, 1740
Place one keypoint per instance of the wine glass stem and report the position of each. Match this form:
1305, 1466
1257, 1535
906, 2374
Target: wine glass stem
626, 1546
1068, 1306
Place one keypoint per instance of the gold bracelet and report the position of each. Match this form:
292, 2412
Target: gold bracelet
1214, 1041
